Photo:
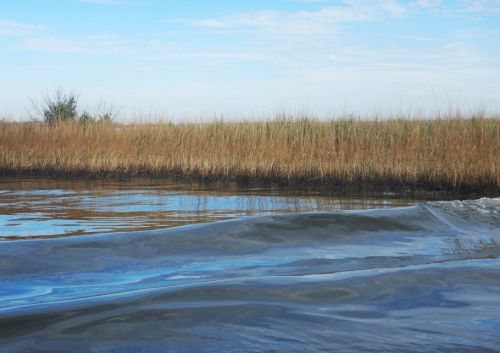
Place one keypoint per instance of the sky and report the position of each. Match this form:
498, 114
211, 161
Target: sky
243, 59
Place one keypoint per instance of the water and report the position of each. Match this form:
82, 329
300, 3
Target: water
44, 208
175, 268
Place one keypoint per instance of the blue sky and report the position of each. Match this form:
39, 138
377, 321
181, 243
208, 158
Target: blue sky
252, 58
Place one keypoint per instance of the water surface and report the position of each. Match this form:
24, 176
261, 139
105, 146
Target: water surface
298, 273
47, 208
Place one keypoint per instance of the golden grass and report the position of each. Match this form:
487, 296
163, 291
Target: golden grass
451, 153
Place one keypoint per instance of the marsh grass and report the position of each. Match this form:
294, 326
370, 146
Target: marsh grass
445, 153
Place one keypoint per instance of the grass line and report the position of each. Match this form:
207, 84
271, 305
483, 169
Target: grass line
451, 153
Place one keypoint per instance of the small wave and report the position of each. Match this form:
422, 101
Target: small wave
405, 279
480, 213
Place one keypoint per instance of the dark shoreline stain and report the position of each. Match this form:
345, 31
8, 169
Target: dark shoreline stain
300, 183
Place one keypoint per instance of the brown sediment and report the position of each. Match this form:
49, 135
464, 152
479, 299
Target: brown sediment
461, 154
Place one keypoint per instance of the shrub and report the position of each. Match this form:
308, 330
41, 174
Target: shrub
61, 107
86, 118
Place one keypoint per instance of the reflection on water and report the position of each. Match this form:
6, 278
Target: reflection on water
420, 278
52, 208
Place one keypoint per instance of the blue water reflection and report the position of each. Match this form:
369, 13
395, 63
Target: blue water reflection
300, 275
50, 208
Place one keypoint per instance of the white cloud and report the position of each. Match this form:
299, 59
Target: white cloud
428, 3
14, 28
49, 44
464, 7
322, 21
36, 38
90, 45
480, 6
309, 1
460, 53
104, 2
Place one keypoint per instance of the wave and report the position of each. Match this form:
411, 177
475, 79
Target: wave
404, 279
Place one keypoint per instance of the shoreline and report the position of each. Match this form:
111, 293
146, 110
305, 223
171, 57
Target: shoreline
329, 187
457, 155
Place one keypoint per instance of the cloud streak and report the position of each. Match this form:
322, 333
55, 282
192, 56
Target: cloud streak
14, 28
88, 45
289, 23
480, 6
104, 2
31, 37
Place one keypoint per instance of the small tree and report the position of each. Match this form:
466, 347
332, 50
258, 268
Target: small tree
62, 107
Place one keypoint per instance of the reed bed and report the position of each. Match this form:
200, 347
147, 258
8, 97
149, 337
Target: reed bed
447, 153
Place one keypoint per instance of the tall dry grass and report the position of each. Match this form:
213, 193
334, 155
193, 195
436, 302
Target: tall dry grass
451, 153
